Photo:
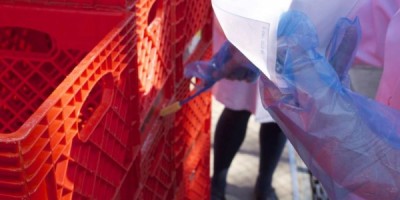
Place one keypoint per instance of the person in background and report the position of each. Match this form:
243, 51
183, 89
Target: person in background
241, 99
231, 129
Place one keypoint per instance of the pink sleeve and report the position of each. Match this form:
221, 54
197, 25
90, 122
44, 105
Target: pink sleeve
380, 45
375, 16
389, 87
218, 35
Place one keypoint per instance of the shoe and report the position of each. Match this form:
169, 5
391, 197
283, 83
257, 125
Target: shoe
270, 195
218, 185
215, 196
263, 190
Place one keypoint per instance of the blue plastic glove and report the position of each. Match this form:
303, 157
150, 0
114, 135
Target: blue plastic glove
227, 63
349, 142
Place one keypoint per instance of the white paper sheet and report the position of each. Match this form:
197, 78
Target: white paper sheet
251, 25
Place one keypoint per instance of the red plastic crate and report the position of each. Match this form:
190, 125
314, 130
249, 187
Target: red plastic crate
191, 141
80, 108
195, 117
152, 119
157, 167
153, 66
155, 53
198, 186
43, 109
193, 175
116, 5
192, 120
107, 154
165, 138
193, 21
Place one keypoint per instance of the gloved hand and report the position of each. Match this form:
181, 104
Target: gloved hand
349, 142
227, 63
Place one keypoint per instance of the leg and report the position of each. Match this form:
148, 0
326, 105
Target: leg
272, 142
229, 135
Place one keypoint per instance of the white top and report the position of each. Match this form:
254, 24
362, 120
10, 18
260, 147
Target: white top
239, 95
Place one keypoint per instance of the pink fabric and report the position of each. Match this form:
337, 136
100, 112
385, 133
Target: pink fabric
389, 87
380, 44
237, 95
218, 35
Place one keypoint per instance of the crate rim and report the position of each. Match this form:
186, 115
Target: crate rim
27, 127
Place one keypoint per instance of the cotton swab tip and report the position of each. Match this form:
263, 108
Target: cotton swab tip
170, 109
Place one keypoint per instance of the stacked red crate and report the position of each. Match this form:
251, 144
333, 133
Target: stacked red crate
81, 90
54, 62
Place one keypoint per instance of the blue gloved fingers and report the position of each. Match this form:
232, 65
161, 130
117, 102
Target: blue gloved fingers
212, 69
342, 47
235, 65
381, 119
245, 71
351, 143
271, 95
202, 70
252, 73
296, 23
343, 153
228, 63
306, 72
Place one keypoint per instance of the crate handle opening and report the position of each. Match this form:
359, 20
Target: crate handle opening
25, 40
96, 106
155, 11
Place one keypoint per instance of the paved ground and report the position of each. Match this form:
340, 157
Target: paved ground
241, 177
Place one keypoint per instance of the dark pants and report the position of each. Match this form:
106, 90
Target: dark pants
229, 135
